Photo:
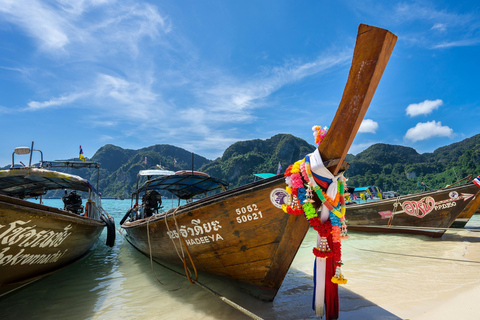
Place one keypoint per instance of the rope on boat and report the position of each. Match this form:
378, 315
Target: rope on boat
417, 256
397, 203
216, 294
182, 245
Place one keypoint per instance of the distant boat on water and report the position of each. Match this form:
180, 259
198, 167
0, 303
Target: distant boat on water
37, 240
428, 213
472, 208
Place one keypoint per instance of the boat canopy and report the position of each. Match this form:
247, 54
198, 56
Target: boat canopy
264, 175
360, 189
155, 172
70, 164
184, 186
31, 182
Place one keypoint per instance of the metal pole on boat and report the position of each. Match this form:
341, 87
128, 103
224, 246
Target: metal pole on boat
98, 176
192, 162
31, 152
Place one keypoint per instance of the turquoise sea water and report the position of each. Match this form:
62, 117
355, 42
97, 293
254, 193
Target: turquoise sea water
384, 273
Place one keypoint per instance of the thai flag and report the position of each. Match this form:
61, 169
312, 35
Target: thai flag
81, 154
279, 168
477, 181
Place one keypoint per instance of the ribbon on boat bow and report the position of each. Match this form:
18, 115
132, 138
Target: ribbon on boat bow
328, 221
325, 292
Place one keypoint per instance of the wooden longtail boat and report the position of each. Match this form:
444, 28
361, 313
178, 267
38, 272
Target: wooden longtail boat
472, 208
37, 240
428, 213
243, 234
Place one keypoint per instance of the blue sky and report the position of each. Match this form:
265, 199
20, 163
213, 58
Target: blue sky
202, 75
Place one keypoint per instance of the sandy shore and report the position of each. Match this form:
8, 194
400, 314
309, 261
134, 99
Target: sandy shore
461, 304
414, 278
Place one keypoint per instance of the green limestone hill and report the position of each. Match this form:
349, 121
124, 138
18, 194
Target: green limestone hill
243, 159
237, 166
119, 167
393, 167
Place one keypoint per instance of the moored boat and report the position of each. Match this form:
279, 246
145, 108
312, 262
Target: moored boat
472, 208
37, 240
428, 213
243, 234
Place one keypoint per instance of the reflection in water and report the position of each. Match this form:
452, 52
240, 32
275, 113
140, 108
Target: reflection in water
118, 283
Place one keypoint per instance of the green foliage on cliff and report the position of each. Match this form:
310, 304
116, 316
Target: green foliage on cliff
243, 159
391, 167
402, 169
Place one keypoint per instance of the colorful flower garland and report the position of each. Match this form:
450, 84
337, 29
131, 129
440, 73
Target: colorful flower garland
301, 184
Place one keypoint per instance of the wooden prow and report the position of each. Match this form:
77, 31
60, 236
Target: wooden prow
370, 57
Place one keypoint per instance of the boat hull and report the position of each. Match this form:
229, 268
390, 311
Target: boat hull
467, 213
426, 213
242, 234
37, 240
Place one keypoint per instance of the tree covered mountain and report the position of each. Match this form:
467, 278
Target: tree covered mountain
237, 166
391, 167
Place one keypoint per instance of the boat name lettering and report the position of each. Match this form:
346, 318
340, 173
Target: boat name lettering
203, 240
445, 205
250, 217
454, 197
419, 208
250, 208
28, 236
29, 259
197, 229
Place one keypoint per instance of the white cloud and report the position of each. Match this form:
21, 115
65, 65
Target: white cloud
54, 102
6, 110
236, 98
368, 125
463, 29
425, 107
457, 43
127, 100
422, 11
89, 27
427, 130
105, 138
439, 27
38, 20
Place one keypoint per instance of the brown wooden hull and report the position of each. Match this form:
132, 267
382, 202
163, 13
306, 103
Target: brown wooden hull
467, 213
243, 234
426, 213
238, 234
37, 240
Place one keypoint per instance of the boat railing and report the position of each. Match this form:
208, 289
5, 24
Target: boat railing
24, 151
468, 178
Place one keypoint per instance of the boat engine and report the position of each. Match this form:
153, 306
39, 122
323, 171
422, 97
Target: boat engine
152, 201
72, 202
